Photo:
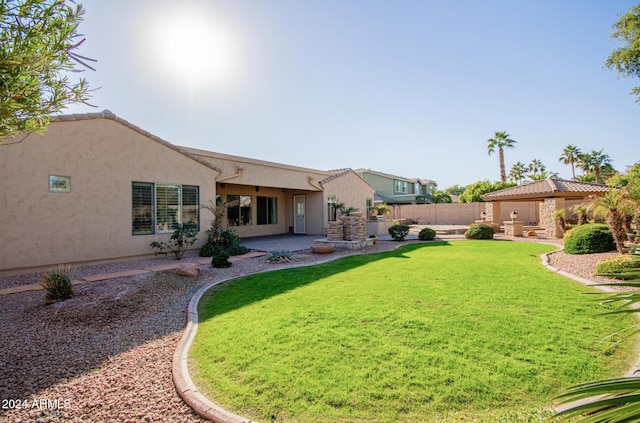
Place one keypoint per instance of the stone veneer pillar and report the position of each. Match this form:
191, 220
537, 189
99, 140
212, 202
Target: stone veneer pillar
493, 210
550, 223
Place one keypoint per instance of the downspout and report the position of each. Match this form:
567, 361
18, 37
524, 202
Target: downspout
238, 173
309, 179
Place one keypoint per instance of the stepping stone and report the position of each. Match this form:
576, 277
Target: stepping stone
162, 268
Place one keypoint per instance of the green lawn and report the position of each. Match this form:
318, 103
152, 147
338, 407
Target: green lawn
468, 329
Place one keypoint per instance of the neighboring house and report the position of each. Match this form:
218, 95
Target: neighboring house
95, 187
393, 189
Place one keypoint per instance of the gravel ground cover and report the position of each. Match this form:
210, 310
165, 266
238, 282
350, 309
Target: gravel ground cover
105, 355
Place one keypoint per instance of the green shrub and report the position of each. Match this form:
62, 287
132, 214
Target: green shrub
479, 231
589, 239
426, 234
58, 283
228, 240
220, 257
280, 256
618, 265
399, 232
207, 250
181, 239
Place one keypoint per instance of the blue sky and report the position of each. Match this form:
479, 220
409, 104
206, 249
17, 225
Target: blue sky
412, 88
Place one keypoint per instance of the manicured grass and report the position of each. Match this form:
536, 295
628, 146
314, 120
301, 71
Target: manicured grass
473, 329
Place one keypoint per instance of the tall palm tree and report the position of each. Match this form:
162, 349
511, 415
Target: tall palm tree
594, 162
570, 155
518, 172
500, 141
536, 166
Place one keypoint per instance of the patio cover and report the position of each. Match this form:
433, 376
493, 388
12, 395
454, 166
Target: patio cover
552, 194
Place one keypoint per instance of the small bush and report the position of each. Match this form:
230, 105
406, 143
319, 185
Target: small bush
228, 240
181, 239
399, 232
479, 231
589, 239
220, 257
619, 264
58, 283
280, 256
426, 234
207, 250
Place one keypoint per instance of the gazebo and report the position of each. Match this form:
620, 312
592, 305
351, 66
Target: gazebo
551, 193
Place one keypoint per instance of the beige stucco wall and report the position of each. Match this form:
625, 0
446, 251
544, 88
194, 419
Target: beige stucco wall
246, 171
351, 190
463, 213
93, 222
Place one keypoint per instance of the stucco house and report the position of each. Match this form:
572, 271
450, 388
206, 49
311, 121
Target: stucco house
394, 189
97, 188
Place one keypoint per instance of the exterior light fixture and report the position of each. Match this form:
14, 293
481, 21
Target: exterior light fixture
483, 215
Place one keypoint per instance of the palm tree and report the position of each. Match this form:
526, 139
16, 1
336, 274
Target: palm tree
614, 206
570, 155
500, 141
518, 172
594, 163
541, 176
536, 166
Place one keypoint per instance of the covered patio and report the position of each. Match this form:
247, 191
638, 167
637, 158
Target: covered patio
552, 195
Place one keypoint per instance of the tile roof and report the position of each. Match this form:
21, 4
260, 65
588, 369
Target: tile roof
548, 188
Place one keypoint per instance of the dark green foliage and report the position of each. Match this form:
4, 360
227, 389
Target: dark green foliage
473, 193
589, 239
181, 239
479, 231
399, 232
426, 234
220, 257
58, 284
228, 240
280, 256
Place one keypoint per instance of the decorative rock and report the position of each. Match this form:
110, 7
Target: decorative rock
186, 269
531, 233
322, 248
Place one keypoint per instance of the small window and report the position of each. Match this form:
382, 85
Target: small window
267, 209
59, 183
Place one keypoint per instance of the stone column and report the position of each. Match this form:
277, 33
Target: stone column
493, 210
334, 232
550, 223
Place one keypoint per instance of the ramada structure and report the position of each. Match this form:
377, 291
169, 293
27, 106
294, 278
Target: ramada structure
96, 187
550, 194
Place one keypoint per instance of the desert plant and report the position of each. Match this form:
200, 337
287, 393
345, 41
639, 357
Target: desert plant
280, 256
220, 257
58, 283
588, 239
614, 206
182, 238
619, 266
383, 209
228, 240
479, 231
426, 234
399, 232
